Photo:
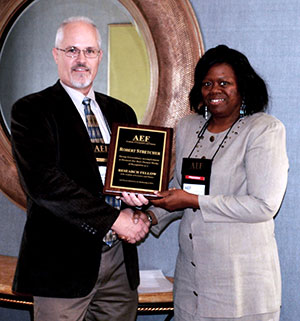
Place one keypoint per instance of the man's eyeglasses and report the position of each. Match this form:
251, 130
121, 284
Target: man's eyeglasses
74, 52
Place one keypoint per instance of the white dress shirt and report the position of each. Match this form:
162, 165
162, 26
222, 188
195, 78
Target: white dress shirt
77, 98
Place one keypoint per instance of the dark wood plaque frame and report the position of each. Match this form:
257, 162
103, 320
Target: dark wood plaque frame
124, 150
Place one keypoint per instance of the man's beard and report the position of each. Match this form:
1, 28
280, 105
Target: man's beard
79, 84
84, 80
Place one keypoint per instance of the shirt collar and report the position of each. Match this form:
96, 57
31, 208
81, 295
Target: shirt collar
76, 95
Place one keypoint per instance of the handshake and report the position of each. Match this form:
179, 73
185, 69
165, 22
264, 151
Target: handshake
132, 226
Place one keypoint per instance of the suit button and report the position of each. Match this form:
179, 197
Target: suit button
190, 236
195, 293
193, 264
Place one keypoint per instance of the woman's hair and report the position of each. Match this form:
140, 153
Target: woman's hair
251, 87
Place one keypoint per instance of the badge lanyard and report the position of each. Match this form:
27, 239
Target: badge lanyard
196, 172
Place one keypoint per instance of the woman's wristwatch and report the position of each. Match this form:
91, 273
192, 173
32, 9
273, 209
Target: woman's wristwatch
149, 217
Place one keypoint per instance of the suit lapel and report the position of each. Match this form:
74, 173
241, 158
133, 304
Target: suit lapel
72, 121
103, 104
69, 111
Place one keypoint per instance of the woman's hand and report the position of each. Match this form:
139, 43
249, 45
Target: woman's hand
176, 199
133, 199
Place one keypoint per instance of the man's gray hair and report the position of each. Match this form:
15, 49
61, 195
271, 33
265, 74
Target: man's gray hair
60, 31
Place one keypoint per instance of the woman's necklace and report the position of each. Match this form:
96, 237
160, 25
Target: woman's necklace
201, 133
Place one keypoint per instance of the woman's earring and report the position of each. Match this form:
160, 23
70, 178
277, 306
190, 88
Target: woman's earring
243, 110
205, 113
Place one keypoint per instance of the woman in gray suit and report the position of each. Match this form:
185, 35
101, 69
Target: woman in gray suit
229, 182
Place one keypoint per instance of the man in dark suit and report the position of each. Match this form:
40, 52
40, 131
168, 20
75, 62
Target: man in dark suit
70, 258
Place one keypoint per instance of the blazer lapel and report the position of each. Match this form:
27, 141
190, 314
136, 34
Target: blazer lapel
103, 104
72, 121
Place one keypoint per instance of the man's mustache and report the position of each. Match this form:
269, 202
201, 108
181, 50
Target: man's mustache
80, 66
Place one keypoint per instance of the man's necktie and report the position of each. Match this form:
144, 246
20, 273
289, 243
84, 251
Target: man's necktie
92, 124
96, 137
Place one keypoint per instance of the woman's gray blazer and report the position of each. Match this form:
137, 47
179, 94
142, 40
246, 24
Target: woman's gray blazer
228, 263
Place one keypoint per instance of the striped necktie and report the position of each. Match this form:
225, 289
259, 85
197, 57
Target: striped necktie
96, 137
91, 121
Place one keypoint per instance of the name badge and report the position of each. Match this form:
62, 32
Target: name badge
101, 154
196, 175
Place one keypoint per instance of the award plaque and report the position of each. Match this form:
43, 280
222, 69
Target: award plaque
138, 159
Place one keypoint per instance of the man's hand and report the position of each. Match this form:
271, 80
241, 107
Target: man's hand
133, 199
129, 230
139, 215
